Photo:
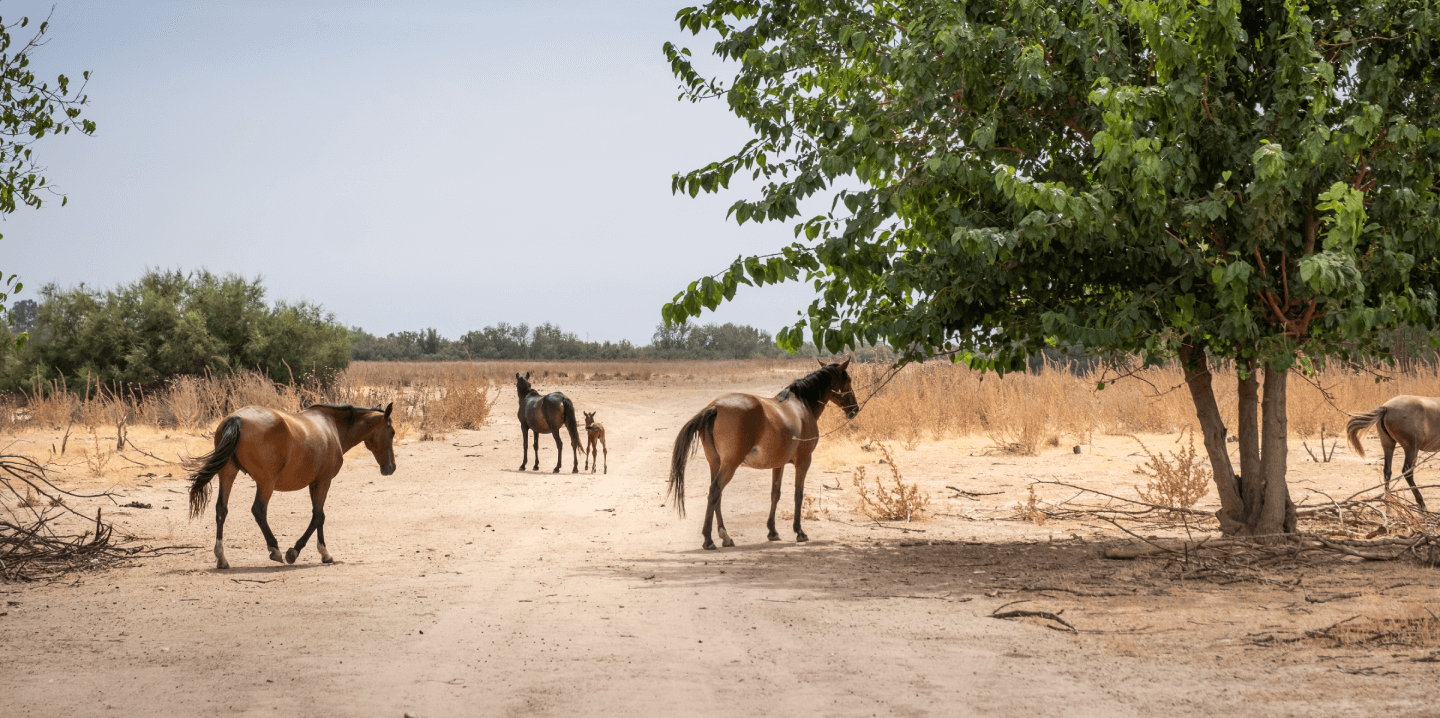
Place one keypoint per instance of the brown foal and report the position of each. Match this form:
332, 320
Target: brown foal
595, 434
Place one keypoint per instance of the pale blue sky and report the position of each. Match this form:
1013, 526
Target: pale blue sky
405, 164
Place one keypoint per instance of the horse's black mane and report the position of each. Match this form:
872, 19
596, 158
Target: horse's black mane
814, 387
351, 412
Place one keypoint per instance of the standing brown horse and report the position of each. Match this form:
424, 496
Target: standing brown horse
1413, 422
761, 433
287, 452
595, 442
546, 414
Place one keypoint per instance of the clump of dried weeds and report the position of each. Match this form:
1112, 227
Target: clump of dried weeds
895, 501
1176, 481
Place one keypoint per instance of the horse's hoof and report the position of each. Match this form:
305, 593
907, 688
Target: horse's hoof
275, 556
222, 564
708, 546
576, 471
773, 537
291, 555
327, 559
727, 543
801, 538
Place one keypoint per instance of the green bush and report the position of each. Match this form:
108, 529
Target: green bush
171, 323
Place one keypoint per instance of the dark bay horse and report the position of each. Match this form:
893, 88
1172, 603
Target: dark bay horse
546, 414
287, 452
595, 442
761, 433
1413, 422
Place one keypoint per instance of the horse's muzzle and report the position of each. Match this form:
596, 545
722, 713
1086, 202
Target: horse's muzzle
387, 469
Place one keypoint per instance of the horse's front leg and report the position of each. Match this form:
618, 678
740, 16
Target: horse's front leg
589, 444
775, 476
524, 446
725, 539
559, 452
258, 509
318, 490
536, 434
802, 465
607, 454
222, 509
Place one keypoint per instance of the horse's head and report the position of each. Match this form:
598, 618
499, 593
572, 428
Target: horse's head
381, 440
841, 394
522, 384
589, 417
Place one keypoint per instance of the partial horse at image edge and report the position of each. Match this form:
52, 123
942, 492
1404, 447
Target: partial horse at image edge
1413, 422
761, 433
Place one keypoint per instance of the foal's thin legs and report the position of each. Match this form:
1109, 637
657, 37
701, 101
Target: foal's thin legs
775, 476
262, 500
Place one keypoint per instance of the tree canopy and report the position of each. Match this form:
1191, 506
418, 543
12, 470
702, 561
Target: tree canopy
30, 109
1252, 181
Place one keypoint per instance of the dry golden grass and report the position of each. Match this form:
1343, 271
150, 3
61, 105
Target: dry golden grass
1022, 413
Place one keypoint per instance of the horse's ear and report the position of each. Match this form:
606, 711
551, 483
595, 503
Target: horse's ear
527, 376
844, 364
517, 375
821, 362
388, 407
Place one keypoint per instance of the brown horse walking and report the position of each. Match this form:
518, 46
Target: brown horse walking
595, 442
287, 452
546, 414
1413, 422
761, 433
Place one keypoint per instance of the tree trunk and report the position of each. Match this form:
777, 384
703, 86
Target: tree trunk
1200, 381
1252, 474
1278, 513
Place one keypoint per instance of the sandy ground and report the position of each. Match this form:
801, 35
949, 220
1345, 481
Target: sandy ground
464, 587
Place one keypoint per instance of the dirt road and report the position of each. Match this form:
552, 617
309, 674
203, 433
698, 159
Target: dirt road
465, 587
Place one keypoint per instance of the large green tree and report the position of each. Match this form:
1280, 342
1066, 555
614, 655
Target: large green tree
30, 109
1204, 180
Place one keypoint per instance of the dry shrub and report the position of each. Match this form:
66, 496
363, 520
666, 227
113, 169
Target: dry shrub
1031, 511
98, 456
1176, 482
882, 502
184, 401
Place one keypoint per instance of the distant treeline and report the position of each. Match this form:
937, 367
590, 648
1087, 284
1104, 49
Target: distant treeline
165, 324
550, 342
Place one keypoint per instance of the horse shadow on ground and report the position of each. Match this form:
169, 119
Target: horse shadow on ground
891, 568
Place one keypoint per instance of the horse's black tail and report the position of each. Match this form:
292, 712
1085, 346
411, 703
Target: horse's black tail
207, 466
1361, 422
704, 421
570, 422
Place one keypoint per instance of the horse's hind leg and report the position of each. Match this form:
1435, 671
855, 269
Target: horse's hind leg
537, 450
720, 519
775, 476
318, 490
712, 507
1409, 472
607, 454
262, 501
559, 451
222, 509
